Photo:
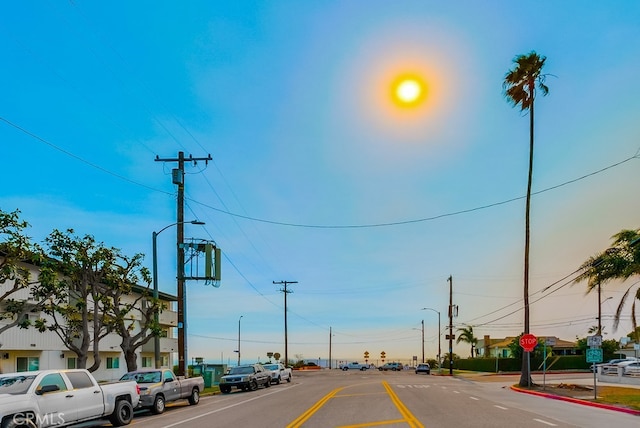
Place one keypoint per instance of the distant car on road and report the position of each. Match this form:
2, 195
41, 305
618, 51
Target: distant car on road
391, 366
612, 366
423, 368
354, 366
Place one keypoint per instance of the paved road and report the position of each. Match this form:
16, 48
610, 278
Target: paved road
391, 399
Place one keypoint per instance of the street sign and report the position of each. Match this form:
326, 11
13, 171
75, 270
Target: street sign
528, 342
550, 341
594, 355
594, 341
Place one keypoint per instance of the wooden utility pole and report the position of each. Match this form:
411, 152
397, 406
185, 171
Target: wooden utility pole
285, 291
177, 175
450, 325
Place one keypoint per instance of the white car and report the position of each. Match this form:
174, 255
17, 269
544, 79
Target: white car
630, 367
612, 366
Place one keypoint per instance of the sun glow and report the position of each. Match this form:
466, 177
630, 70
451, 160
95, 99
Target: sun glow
408, 91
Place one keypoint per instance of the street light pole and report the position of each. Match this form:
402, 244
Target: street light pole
239, 319
439, 332
156, 314
423, 341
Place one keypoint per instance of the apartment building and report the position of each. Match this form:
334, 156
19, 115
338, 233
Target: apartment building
28, 349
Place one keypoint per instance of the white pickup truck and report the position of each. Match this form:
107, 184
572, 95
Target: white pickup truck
63, 397
161, 386
354, 366
279, 372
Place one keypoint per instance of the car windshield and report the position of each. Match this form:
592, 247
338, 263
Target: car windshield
241, 370
16, 384
271, 366
143, 377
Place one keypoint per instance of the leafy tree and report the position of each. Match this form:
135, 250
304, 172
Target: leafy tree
466, 335
15, 280
621, 261
78, 297
125, 314
520, 86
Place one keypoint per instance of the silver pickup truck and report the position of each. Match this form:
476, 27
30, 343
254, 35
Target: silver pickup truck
161, 386
59, 398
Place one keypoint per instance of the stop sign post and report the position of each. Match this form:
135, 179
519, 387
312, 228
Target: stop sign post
528, 342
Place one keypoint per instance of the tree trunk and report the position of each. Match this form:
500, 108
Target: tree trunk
525, 378
130, 356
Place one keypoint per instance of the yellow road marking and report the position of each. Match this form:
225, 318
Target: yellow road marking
406, 414
306, 415
410, 419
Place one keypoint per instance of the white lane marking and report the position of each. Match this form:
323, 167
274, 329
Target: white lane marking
227, 407
545, 422
500, 407
456, 392
474, 398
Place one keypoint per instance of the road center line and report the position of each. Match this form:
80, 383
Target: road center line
500, 407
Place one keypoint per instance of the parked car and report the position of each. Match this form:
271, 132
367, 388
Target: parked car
278, 372
631, 368
612, 366
391, 366
423, 368
159, 387
354, 366
63, 397
246, 377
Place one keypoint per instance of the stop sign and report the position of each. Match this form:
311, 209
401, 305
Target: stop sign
528, 342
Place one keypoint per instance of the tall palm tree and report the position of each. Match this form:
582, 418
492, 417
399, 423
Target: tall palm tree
466, 335
520, 86
620, 261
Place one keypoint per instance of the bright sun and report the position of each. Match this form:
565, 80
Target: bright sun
408, 91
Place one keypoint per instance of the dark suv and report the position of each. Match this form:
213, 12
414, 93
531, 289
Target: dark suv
391, 366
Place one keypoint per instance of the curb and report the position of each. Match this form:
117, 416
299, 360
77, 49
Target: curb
578, 401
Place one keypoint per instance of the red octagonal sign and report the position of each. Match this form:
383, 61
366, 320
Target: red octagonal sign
528, 342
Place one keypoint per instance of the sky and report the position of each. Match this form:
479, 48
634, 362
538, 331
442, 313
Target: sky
317, 176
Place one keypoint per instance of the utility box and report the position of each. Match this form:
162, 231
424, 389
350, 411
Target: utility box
211, 373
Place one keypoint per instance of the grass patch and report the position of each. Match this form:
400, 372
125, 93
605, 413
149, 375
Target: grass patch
627, 397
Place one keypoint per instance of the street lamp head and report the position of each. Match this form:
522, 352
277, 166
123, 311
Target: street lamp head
198, 222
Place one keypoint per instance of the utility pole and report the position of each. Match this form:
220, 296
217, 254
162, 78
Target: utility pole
450, 325
423, 341
177, 175
330, 348
285, 291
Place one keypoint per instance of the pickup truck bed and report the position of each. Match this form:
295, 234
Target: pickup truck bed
161, 386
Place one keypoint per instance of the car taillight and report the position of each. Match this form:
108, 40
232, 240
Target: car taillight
138, 389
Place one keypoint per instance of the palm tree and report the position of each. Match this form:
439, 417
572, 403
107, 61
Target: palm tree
519, 87
466, 335
620, 261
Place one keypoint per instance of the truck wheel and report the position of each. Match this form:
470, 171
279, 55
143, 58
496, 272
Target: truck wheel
9, 422
225, 389
158, 405
267, 384
253, 385
278, 381
122, 414
289, 378
194, 398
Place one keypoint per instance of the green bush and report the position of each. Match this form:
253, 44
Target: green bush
562, 362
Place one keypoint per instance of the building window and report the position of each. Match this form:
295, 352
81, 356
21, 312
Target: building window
28, 364
113, 362
165, 361
147, 361
72, 363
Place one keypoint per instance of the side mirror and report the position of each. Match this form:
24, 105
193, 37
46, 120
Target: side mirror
47, 388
